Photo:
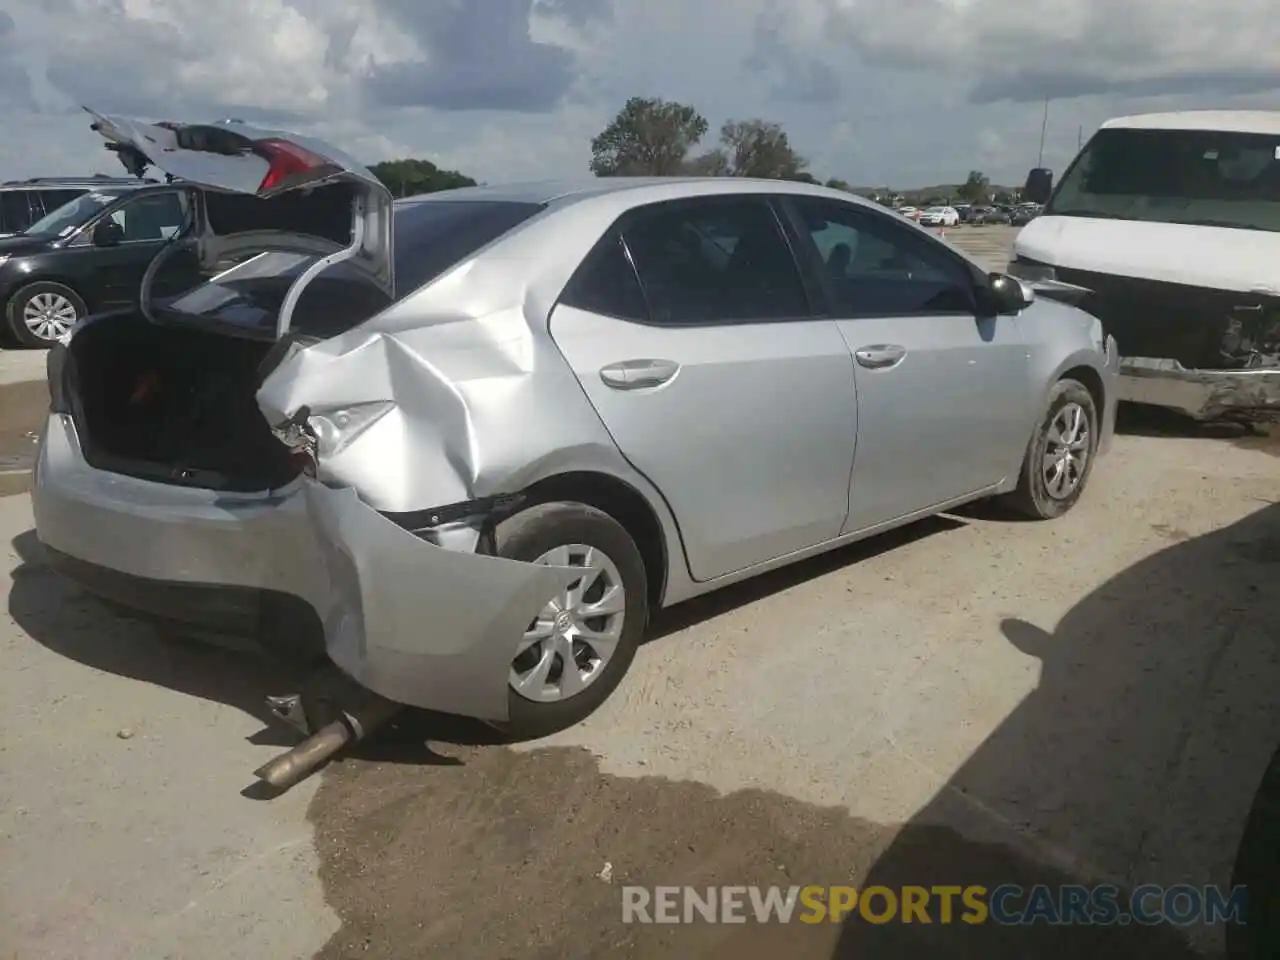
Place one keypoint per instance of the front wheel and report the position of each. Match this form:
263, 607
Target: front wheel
1060, 455
579, 645
41, 313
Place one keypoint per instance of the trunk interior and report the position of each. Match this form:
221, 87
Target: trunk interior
174, 404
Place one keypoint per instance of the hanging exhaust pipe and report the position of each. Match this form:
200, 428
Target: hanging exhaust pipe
351, 726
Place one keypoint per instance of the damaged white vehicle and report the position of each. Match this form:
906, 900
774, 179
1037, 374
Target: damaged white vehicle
462, 446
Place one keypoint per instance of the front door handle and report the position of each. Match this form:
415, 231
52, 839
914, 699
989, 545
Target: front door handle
638, 374
880, 355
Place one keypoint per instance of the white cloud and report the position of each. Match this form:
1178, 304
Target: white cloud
872, 91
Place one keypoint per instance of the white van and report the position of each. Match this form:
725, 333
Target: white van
1171, 224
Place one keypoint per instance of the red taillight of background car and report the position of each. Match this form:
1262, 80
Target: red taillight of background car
287, 160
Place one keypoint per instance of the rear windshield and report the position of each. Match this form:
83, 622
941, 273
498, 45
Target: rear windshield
430, 237
1214, 178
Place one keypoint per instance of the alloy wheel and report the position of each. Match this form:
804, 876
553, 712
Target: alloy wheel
1066, 454
49, 316
574, 636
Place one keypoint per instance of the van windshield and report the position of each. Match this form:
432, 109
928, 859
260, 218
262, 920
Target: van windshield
429, 239
1207, 177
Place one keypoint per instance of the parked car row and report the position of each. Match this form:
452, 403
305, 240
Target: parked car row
975, 214
465, 468
87, 255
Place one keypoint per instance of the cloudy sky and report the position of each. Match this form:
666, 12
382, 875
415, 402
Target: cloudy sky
903, 92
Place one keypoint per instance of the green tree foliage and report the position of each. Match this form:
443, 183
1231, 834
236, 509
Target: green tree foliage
653, 137
975, 189
760, 148
406, 178
648, 137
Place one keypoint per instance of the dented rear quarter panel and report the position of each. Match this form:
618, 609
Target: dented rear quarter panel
483, 402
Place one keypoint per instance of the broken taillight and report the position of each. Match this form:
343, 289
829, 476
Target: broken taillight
286, 160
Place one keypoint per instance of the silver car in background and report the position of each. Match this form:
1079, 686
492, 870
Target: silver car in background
463, 446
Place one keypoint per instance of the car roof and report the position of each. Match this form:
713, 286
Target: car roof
1233, 121
37, 183
645, 190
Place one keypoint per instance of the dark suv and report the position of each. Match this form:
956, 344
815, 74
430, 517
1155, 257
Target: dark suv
87, 256
23, 202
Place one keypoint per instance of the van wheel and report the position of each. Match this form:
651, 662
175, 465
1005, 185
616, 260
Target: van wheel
41, 313
578, 647
1060, 456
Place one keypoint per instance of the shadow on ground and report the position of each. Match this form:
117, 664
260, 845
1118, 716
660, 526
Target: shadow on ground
1136, 760
68, 621
1140, 420
60, 616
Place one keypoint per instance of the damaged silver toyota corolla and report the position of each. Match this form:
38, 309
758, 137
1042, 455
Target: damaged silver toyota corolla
462, 445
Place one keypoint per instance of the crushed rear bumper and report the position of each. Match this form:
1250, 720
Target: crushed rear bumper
414, 622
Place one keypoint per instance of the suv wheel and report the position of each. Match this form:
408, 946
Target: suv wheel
42, 313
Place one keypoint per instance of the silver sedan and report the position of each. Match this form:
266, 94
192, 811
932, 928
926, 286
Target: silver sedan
463, 446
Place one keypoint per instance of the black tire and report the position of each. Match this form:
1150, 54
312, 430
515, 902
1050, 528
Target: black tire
23, 334
1257, 869
526, 537
1032, 497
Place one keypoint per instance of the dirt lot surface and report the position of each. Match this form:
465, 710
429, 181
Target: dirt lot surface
971, 700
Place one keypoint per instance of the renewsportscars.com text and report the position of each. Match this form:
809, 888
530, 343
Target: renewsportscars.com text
1008, 904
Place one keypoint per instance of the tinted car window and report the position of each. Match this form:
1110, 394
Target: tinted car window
151, 217
15, 211
708, 261
606, 283
874, 267
51, 200
1211, 177
73, 214
433, 235
429, 238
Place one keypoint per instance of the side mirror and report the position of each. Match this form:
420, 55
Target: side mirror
108, 233
1009, 294
1039, 186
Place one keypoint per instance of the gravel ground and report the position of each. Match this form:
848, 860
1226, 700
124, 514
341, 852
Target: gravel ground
969, 700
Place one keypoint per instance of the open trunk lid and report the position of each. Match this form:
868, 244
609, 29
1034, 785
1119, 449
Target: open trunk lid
260, 191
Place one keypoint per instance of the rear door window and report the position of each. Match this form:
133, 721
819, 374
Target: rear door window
606, 283
714, 260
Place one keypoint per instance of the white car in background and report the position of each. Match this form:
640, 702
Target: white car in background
940, 217
911, 213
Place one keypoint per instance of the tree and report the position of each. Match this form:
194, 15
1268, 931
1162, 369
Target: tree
976, 188
835, 183
648, 137
405, 178
713, 163
760, 148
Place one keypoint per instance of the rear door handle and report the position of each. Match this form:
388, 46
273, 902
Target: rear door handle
880, 355
638, 374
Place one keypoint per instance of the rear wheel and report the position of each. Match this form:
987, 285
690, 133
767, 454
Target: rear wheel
580, 643
1060, 456
42, 313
